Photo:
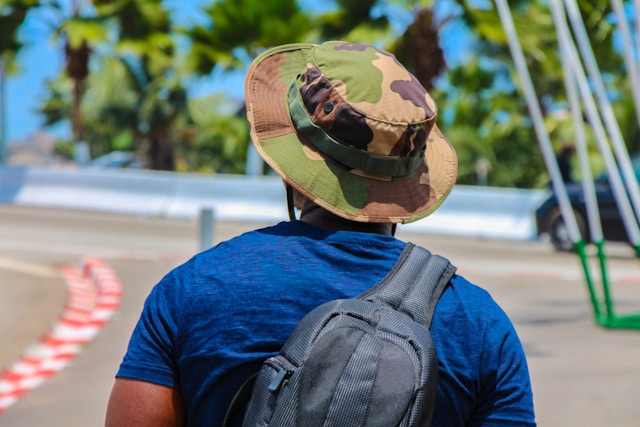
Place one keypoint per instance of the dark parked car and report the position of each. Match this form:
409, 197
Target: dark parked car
549, 219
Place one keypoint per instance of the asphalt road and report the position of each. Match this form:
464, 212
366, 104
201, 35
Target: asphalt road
582, 374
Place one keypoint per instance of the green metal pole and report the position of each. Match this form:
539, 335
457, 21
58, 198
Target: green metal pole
602, 258
581, 250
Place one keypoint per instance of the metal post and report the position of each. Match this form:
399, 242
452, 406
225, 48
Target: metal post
538, 120
254, 163
206, 228
482, 171
629, 51
611, 124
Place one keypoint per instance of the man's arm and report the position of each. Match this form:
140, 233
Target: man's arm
143, 404
506, 397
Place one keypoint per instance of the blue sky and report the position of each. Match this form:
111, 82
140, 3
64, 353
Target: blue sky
41, 60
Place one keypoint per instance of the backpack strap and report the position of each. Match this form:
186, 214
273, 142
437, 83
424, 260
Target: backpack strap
415, 284
239, 403
413, 287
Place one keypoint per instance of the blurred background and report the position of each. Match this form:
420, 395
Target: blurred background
162, 81
124, 143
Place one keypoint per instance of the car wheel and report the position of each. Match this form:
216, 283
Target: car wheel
559, 232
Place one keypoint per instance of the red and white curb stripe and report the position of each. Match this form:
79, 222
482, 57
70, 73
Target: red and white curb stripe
94, 294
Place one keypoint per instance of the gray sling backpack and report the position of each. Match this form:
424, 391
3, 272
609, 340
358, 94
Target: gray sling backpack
368, 361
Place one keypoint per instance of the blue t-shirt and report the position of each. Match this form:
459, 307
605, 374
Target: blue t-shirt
209, 324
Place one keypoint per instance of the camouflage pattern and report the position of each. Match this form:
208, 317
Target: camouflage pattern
388, 113
363, 102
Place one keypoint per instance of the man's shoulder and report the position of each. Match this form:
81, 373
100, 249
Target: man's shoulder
464, 302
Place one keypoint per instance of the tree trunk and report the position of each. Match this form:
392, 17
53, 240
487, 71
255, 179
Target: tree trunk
428, 57
77, 68
76, 114
161, 153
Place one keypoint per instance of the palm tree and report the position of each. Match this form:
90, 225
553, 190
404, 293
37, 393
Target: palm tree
239, 29
81, 29
417, 46
147, 49
147, 98
12, 16
352, 20
505, 135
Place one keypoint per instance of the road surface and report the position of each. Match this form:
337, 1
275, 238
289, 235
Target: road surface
582, 374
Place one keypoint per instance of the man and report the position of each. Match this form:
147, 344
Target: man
564, 158
353, 135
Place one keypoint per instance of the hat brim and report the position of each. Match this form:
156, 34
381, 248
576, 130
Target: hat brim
342, 191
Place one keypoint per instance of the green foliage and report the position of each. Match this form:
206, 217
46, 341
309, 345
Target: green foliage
488, 125
501, 129
12, 15
221, 141
239, 29
57, 106
123, 141
137, 19
64, 149
79, 30
136, 98
350, 14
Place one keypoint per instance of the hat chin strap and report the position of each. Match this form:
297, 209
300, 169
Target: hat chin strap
290, 205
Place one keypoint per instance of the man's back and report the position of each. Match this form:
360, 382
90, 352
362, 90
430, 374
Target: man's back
353, 135
229, 308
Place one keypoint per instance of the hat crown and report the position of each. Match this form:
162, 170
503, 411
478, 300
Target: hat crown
364, 98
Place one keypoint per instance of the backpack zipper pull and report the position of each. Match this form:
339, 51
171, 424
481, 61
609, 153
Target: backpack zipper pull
280, 379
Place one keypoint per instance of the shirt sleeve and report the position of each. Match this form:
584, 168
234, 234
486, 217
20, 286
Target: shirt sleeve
505, 396
151, 352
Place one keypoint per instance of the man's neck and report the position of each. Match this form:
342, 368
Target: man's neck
324, 219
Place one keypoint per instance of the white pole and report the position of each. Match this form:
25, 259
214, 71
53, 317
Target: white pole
636, 7
538, 121
602, 141
588, 187
629, 54
605, 106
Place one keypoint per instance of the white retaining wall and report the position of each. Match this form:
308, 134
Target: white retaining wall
478, 211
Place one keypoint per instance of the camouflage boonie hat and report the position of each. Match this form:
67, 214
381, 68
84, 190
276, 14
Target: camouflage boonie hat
350, 128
